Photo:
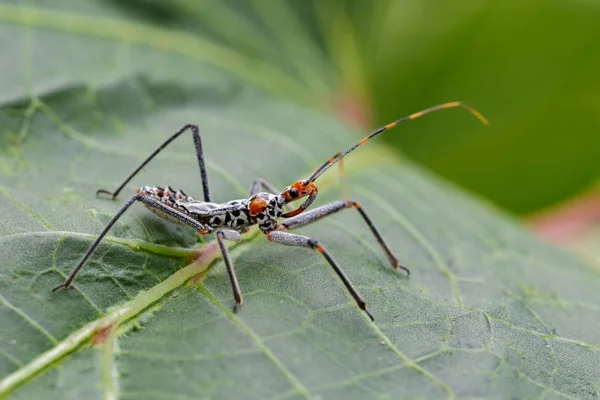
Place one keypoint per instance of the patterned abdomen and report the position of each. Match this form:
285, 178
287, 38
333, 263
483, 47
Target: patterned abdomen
232, 215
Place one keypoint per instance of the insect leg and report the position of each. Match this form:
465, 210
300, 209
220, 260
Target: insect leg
236, 237
261, 184
316, 214
199, 153
138, 197
290, 239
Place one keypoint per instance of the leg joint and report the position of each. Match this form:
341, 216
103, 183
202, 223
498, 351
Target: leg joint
193, 127
351, 203
314, 244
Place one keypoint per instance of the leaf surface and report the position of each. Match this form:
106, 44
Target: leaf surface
488, 311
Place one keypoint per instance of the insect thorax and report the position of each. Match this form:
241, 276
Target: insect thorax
266, 217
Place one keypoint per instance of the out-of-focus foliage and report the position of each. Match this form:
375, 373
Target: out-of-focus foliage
530, 66
88, 90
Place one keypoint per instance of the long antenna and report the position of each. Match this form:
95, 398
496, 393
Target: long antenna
339, 156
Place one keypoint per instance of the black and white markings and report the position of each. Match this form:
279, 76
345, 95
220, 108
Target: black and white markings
233, 214
237, 218
268, 219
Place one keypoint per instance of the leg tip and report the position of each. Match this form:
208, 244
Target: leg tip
397, 267
102, 191
236, 307
61, 286
363, 306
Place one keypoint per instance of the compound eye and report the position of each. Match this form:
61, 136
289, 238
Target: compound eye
294, 193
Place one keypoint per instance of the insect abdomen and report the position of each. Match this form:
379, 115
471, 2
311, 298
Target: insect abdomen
236, 219
167, 196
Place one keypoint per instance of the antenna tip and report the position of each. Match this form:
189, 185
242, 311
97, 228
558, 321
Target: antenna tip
483, 119
475, 113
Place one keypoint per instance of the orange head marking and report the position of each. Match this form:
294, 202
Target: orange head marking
257, 205
297, 191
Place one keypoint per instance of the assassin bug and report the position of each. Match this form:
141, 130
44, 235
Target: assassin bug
230, 220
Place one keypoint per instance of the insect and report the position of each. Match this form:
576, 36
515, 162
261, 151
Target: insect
263, 208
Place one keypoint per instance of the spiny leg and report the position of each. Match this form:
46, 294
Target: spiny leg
290, 239
138, 197
199, 153
236, 237
333, 207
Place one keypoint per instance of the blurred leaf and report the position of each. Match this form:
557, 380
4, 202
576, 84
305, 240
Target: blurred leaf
529, 66
487, 312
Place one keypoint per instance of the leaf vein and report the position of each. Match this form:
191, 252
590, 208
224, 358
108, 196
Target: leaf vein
10, 357
28, 319
411, 363
296, 384
6, 193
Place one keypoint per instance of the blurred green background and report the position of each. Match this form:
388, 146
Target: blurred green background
530, 66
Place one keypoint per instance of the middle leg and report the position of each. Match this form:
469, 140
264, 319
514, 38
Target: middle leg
333, 207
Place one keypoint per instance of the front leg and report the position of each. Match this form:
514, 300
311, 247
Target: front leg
290, 239
316, 214
225, 234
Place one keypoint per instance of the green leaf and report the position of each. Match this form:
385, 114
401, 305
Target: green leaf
488, 310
